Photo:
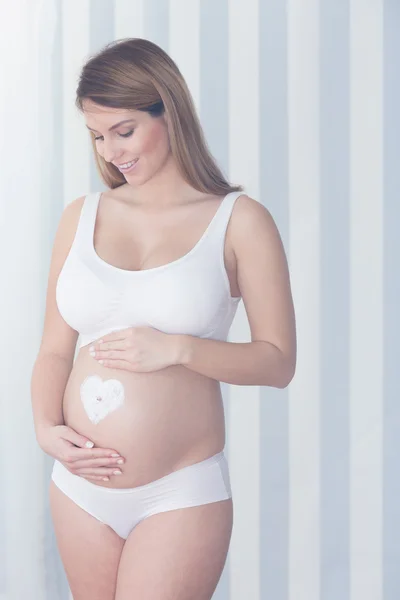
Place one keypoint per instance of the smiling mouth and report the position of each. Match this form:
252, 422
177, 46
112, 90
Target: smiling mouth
129, 166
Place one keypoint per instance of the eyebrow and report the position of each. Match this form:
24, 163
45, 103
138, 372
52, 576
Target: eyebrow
113, 127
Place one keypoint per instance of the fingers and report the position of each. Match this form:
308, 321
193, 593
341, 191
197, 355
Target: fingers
97, 462
75, 454
99, 471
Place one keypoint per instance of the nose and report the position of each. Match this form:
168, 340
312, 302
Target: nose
110, 151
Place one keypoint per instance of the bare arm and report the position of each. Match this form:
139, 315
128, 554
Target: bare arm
263, 278
249, 363
49, 378
56, 353
52, 369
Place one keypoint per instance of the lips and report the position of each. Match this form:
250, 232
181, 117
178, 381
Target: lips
127, 162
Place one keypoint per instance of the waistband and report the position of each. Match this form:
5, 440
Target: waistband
60, 471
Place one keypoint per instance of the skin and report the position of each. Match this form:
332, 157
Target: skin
103, 565
178, 554
156, 177
156, 183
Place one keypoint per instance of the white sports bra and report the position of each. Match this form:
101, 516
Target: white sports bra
190, 295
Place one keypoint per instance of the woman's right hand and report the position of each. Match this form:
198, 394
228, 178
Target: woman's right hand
69, 448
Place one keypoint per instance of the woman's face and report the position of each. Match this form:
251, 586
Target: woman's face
143, 139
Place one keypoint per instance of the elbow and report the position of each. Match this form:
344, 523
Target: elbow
283, 383
286, 374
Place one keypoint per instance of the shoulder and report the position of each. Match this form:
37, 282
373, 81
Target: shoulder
73, 209
251, 220
250, 209
69, 219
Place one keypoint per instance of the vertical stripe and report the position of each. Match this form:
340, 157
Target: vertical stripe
129, 19
3, 527
25, 73
214, 98
184, 44
299, 100
214, 111
334, 290
274, 443
56, 585
391, 474
4, 76
366, 299
101, 32
244, 451
101, 24
77, 148
304, 392
156, 18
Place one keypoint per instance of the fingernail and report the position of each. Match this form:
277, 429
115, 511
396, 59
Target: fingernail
115, 455
120, 461
117, 472
89, 444
106, 479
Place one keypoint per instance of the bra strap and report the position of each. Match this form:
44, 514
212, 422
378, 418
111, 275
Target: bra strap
85, 228
221, 222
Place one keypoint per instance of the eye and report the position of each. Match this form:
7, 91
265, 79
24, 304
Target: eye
125, 135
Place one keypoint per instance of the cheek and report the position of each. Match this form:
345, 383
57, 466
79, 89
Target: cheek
155, 142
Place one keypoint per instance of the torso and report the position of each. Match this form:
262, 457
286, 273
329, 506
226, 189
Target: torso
173, 417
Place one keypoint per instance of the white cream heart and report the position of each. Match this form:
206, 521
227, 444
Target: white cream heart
100, 398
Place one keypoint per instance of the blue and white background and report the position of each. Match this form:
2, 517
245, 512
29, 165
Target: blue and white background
299, 100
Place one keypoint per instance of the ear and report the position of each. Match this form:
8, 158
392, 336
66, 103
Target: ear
164, 119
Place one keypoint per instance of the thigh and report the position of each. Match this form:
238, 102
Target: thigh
90, 550
176, 555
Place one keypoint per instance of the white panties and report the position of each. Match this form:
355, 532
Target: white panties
124, 508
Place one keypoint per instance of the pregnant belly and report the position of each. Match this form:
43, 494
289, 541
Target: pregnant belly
159, 421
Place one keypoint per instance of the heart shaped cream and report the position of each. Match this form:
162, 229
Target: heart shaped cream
100, 398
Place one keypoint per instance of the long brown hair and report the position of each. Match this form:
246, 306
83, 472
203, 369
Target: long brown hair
136, 74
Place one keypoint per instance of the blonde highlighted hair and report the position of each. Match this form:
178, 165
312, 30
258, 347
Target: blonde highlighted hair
136, 74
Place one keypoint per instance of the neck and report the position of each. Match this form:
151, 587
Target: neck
166, 188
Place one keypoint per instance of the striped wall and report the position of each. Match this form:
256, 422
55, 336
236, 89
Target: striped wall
299, 100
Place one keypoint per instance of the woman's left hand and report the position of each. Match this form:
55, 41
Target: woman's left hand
138, 349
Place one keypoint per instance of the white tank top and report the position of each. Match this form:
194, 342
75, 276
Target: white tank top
190, 295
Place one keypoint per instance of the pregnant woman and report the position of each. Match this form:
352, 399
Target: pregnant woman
149, 275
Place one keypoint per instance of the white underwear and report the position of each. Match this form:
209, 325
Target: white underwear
124, 508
